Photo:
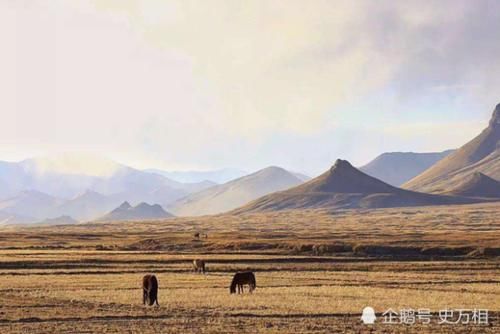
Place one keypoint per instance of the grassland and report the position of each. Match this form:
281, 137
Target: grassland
316, 270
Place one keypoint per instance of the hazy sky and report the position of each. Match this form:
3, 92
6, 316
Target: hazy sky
209, 84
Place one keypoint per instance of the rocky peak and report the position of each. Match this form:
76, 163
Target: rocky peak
495, 119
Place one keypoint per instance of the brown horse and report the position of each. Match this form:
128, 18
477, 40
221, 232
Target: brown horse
241, 279
150, 290
199, 266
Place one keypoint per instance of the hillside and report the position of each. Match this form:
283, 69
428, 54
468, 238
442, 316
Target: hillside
68, 175
142, 211
217, 176
481, 154
89, 205
397, 168
235, 193
31, 203
345, 187
61, 220
477, 185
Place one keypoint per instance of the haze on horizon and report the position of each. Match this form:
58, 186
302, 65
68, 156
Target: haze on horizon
214, 84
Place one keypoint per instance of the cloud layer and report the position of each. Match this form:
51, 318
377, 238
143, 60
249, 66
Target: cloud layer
205, 84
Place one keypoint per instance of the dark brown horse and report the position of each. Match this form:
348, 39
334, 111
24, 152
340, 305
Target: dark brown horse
199, 266
241, 279
150, 290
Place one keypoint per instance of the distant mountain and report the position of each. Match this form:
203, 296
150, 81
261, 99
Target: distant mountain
477, 185
481, 154
89, 205
142, 211
217, 176
31, 203
302, 177
13, 219
397, 168
69, 175
195, 187
52, 175
62, 220
345, 187
230, 195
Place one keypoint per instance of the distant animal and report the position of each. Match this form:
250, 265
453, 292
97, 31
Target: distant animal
199, 266
241, 279
150, 290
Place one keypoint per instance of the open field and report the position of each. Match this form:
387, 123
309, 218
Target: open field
315, 272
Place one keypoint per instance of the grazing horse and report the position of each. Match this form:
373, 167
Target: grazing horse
240, 279
150, 290
199, 266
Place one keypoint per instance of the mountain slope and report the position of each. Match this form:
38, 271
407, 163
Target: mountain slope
481, 154
477, 185
235, 193
142, 211
344, 187
31, 203
397, 168
61, 220
88, 205
216, 176
69, 174
13, 219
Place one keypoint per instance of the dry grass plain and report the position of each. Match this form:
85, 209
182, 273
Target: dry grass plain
315, 270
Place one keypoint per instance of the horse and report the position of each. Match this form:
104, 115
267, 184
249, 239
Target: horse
150, 290
241, 279
199, 266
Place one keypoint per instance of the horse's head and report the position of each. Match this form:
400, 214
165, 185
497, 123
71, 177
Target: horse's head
232, 288
151, 297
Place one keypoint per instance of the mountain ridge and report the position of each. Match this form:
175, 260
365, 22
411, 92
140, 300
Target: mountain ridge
230, 195
142, 211
345, 187
481, 154
396, 168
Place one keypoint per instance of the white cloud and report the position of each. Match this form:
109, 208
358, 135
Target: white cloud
205, 84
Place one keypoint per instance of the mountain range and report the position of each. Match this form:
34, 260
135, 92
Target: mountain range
52, 175
232, 194
215, 176
41, 188
142, 211
396, 168
68, 189
345, 187
467, 175
38, 189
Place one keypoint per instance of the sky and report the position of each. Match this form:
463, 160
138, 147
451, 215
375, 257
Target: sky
211, 84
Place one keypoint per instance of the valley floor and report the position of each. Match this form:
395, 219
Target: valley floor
81, 279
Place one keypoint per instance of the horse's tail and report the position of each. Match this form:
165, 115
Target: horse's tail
253, 281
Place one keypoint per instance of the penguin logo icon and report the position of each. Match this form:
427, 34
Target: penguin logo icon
368, 317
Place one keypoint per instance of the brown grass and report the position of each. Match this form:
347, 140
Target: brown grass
87, 278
